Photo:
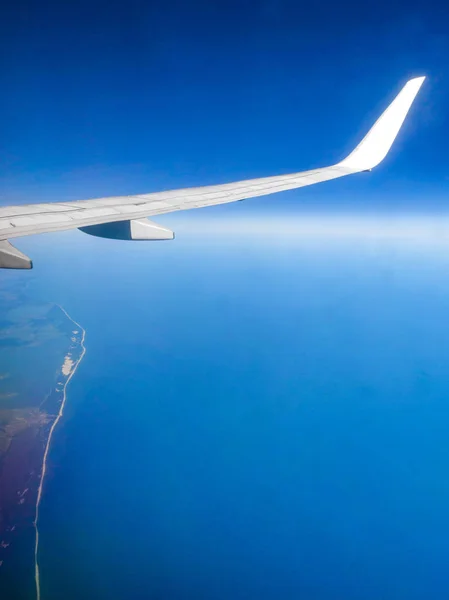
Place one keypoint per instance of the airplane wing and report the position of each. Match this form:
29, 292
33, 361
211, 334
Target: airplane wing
124, 217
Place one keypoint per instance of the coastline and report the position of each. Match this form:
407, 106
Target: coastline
73, 367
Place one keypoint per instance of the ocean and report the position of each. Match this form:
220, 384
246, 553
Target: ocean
261, 417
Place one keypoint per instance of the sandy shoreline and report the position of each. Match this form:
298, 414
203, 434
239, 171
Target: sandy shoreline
68, 369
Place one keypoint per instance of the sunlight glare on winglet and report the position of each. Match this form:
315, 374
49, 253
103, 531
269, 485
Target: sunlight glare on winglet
375, 145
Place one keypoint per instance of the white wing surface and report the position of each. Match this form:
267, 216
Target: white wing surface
122, 217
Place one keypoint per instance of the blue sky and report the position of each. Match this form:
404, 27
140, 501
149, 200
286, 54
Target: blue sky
111, 98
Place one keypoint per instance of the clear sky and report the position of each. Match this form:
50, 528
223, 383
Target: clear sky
106, 98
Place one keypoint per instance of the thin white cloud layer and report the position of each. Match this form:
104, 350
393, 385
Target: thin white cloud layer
429, 228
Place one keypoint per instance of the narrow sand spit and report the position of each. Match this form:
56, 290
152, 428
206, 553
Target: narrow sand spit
68, 369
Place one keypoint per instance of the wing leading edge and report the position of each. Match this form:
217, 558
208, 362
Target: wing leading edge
16, 221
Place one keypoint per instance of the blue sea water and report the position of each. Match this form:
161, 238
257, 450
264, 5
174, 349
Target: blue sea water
253, 418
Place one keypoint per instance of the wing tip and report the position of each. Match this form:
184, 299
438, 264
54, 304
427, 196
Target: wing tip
376, 144
416, 82
419, 78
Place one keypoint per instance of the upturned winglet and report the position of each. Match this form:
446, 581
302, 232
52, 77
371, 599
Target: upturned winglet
375, 145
